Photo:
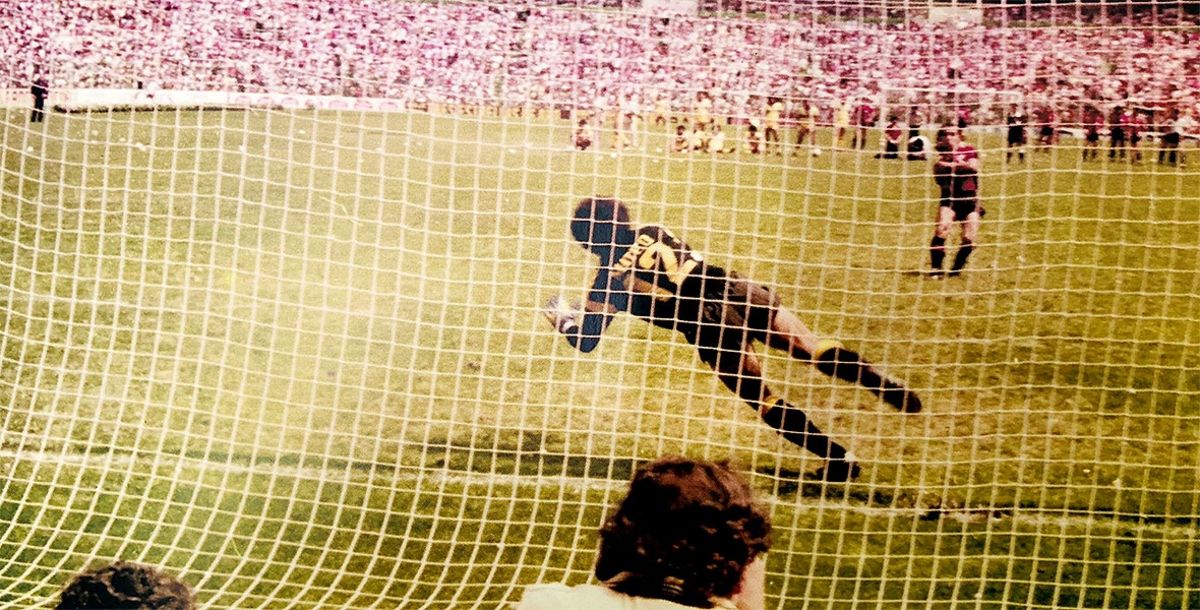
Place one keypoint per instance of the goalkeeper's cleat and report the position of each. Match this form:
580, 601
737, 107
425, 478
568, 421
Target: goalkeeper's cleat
837, 471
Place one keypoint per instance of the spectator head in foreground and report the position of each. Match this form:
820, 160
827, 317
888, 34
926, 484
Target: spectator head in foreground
125, 586
686, 531
688, 534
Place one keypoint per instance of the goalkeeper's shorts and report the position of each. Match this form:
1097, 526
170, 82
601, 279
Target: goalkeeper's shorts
732, 312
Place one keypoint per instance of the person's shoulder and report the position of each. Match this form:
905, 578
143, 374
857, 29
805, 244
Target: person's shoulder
538, 597
555, 596
659, 232
594, 597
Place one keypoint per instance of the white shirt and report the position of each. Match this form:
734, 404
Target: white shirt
1183, 124
717, 144
595, 597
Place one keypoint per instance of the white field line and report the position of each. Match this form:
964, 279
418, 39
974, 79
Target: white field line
1043, 519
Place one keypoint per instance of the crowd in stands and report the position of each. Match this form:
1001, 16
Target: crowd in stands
549, 55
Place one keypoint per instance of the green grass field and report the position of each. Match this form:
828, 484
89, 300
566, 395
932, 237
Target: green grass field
296, 359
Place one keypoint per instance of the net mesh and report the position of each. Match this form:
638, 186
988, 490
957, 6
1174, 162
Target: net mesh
272, 271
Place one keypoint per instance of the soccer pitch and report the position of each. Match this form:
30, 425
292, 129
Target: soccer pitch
296, 359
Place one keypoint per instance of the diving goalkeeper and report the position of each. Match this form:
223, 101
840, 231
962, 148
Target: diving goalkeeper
652, 274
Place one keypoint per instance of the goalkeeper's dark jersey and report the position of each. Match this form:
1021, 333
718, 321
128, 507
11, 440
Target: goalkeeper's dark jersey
661, 280
658, 278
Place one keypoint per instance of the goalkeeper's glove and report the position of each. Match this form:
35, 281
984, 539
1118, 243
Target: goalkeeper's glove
562, 315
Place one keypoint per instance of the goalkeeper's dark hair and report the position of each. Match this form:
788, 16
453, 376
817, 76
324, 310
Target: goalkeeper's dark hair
600, 224
685, 532
125, 586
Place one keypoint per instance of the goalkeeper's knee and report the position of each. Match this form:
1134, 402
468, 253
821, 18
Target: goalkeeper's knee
847, 365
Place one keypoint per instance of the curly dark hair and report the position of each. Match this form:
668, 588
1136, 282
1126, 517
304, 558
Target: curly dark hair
125, 586
600, 224
685, 532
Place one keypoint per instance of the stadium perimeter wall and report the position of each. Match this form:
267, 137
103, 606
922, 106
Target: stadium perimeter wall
103, 99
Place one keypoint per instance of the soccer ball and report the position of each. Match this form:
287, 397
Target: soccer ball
816, 152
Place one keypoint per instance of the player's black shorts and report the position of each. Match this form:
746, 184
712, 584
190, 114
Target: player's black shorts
1047, 132
733, 312
943, 182
962, 206
1092, 136
1016, 138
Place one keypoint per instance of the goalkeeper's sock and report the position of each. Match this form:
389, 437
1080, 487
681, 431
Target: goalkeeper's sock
847, 365
793, 424
937, 252
960, 258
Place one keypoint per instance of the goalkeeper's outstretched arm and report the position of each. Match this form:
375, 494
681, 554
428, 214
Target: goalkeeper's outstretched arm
584, 325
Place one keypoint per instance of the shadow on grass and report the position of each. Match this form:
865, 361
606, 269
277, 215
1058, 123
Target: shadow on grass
794, 483
451, 459
523, 458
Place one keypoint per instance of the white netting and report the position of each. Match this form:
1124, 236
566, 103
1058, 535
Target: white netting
271, 271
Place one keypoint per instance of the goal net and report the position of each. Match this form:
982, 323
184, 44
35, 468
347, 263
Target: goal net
272, 276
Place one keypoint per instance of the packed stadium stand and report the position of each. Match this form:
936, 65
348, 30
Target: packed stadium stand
556, 56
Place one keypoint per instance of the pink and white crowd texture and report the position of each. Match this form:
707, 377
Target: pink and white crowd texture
544, 55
